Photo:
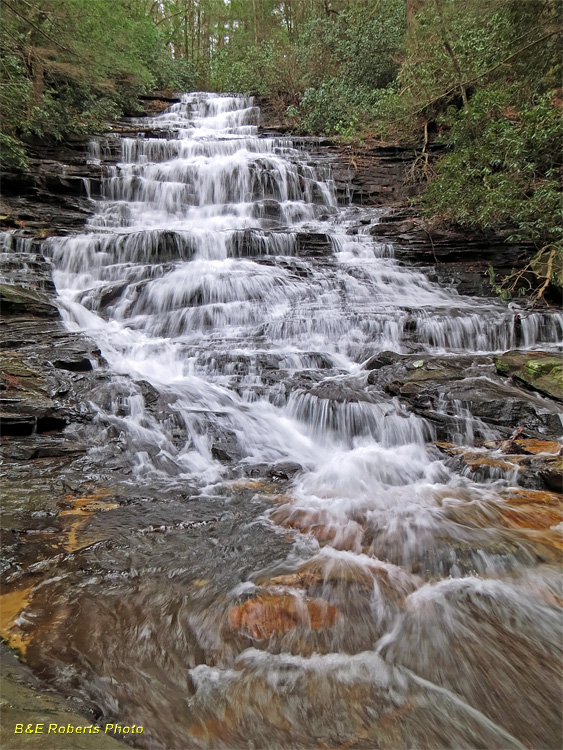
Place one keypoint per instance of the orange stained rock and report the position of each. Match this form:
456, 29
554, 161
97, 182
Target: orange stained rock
307, 522
85, 506
12, 605
76, 539
476, 459
82, 509
530, 509
520, 496
227, 723
94, 501
318, 573
450, 448
268, 614
215, 728
531, 516
551, 539
508, 463
253, 484
539, 446
303, 579
521, 509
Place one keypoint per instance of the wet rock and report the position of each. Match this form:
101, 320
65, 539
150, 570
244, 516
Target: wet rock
536, 471
550, 470
226, 446
457, 393
110, 294
150, 395
450, 254
383, 359
26, 701
269, 210
531, 447
16, 424
15, 300
267, 614
41, 446
77, 364
47, 372
311, 245
26, 269
38, 397
539, 370
284, 470
340, 392
220, 454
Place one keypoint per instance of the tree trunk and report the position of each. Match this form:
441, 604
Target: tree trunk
413, 7
255, 9
453, 58
38, 67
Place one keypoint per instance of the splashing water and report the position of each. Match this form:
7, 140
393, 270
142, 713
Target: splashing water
219, 270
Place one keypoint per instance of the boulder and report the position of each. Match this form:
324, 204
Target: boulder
450, 390
540, 370
15, 300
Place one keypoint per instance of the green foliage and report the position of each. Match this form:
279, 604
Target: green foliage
364, 44
68, 66
334, 107
255, 69
503, 167
485, 75
330, 69
12, 152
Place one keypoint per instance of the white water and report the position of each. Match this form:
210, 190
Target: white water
194, 318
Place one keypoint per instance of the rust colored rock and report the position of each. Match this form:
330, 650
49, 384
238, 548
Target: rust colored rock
269, 614
509, 463
533, 447
520, 496
531, 517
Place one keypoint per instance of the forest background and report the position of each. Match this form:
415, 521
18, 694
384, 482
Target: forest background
481, 77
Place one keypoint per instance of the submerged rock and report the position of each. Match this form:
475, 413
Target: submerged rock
267, 614
25, 701
532, 470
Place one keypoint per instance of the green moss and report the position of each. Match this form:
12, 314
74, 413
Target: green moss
541, 371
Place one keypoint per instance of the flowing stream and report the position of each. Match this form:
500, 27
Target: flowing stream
296, 565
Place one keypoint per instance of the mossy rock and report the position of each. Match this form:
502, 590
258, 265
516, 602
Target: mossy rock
540, 370
14, 365
15, 300
25, 701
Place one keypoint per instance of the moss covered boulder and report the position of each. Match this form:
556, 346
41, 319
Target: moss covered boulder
540, 370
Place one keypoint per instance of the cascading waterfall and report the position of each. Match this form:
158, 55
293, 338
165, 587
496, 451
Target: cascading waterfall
219, 269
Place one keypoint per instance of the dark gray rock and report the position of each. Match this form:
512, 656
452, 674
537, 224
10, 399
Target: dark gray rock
445, 390
16, 300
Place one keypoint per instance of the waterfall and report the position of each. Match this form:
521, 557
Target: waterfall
236, 304
215, 250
